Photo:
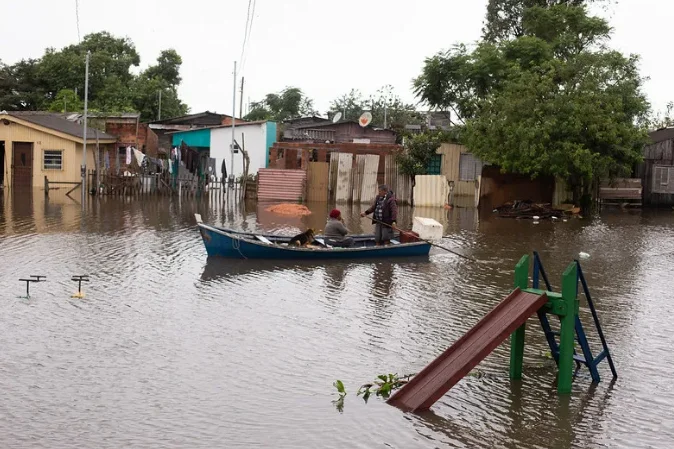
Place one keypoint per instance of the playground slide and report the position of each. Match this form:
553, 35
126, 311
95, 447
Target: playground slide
444, 372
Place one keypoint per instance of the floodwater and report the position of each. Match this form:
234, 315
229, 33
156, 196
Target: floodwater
171, 350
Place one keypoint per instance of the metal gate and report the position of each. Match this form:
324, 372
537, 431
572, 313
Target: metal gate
22, 165
317, 182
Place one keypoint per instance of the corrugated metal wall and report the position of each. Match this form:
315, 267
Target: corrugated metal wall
317, 181
451, 159
400, 184
368, 188
358, 174
344, 189
430, 190
273, 184
561, 192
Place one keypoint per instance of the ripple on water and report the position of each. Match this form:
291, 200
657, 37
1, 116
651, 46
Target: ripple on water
169, 349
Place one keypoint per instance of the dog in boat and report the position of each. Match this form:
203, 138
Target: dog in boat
304, 239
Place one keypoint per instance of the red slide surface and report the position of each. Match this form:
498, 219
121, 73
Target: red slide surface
444, 372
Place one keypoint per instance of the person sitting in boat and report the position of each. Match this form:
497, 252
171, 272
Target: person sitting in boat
335, 232
385, 210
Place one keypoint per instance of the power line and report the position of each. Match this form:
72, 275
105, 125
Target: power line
77, 18
247, 40
245, 31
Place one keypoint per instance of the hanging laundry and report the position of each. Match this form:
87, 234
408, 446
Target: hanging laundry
128, 155
170, 166
139, 157
106, 159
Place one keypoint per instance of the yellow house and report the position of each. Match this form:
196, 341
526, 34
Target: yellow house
35, 145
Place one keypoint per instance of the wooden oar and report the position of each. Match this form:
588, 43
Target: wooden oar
423, 240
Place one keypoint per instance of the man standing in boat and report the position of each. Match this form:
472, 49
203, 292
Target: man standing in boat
385, 210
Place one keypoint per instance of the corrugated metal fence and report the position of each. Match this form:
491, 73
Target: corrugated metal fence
276, 184
430, 190
400, 184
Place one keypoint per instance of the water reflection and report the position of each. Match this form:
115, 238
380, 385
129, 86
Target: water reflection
191, 351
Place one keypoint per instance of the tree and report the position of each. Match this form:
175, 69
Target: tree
146, 99
504, 18
111, 57
551, 100
66, 101
51, 81
418, 151
167, 68
288, 104
351, 105
21, 88
386, 107
659, 121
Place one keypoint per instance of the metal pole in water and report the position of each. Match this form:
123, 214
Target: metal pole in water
231, 167
84, 132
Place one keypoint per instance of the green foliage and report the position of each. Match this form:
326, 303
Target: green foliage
504, 19
541, 94
663, 121
419, 149
288, 104
398, 113
21, 89
66, 101
46, 82
341, 391
167, 68
383, 386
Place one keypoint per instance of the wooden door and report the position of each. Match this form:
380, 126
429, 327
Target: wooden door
22, 165
318, 178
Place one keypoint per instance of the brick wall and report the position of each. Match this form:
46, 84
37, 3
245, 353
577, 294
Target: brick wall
228, 121
284, 155
126, 133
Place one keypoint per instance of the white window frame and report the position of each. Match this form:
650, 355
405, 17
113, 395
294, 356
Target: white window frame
52, 167
660, 173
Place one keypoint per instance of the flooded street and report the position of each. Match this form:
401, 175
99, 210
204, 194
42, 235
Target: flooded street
171, 350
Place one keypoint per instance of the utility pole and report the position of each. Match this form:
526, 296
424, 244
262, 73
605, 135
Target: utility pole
241, 100
231, 167
159, 114
84, 132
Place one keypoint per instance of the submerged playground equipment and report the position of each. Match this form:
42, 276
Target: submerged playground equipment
509, 317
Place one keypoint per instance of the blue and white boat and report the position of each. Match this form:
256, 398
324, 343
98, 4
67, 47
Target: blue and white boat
221, 242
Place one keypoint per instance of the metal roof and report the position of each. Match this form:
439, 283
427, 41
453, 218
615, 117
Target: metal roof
58, 122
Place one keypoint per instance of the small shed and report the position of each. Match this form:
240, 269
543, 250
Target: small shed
657, 169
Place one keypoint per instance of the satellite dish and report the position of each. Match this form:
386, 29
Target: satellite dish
337, 117
365, 119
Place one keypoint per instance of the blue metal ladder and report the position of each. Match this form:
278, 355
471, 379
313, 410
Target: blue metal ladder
586, 359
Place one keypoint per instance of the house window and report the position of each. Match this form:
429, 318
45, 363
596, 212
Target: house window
52, 160
280, 153
470, 167
313, 156
434, 165
663, 179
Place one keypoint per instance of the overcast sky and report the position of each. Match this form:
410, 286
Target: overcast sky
324, 47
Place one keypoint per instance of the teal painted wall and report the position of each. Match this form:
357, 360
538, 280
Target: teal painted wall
195, 138
271, 138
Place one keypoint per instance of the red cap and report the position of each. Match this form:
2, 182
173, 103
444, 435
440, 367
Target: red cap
335, 213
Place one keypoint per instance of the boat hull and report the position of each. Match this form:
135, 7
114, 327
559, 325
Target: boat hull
220, 243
